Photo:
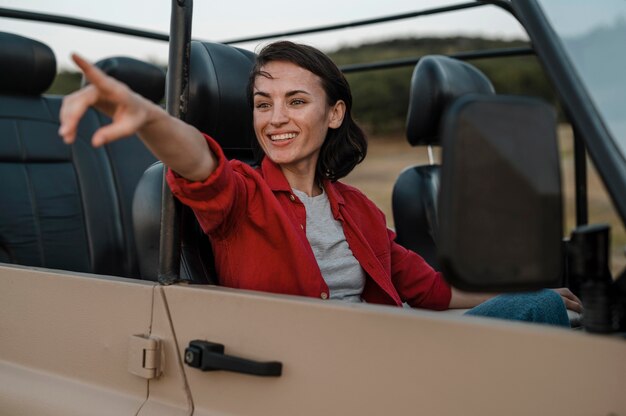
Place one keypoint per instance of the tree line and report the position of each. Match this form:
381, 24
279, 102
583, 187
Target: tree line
381, 97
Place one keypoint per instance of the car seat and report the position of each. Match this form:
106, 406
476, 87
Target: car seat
436, 82
129, 158
61, 207
218, 106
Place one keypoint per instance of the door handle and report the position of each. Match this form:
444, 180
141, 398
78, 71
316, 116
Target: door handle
209, 356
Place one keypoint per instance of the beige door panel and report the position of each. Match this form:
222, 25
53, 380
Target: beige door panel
64, 342
369, 360
168, 393
65, 346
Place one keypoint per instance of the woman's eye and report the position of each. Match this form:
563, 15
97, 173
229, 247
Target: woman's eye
262, 106
297, 101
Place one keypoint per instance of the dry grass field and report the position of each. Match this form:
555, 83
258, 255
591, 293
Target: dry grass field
389, 155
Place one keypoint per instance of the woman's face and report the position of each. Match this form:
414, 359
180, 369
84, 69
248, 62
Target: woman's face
292, 115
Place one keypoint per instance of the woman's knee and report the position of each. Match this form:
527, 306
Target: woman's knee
544, 306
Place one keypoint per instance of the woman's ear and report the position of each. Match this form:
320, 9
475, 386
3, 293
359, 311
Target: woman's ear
337, 112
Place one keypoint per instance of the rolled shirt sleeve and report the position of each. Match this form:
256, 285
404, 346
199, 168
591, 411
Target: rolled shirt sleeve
416, 281
214, 199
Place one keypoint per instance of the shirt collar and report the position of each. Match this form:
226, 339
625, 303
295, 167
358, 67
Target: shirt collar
276, 180
273, 176
331, 190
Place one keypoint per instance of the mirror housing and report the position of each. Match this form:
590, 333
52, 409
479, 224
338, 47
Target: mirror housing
500, 209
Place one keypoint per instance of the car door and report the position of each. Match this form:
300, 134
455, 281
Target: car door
66, 340
75, 344
368, 359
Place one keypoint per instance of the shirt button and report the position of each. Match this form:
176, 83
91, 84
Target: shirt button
293, 198
302, 226
324, 295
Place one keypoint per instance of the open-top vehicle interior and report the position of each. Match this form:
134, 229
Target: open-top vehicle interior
99, 264
93, 227
81, 229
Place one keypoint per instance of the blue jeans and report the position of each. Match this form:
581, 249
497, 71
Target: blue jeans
544, 306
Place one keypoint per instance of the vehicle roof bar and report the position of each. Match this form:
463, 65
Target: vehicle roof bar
89, 24
72, 21
176, 92
357, 23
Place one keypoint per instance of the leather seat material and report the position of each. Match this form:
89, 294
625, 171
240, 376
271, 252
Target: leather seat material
146, 212
61, 203
63, 207
197, 265
437, 82
218, 106
146, 79
414, 202
129, 157
29, 65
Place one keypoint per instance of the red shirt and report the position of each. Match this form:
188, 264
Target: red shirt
257, 227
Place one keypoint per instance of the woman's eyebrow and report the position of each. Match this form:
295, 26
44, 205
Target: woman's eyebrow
288, 94
294, 92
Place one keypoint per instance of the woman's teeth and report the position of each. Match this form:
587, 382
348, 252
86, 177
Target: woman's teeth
282, 137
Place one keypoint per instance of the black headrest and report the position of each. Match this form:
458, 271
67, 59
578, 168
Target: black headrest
438, 81
27, 66
145, 79
218, 106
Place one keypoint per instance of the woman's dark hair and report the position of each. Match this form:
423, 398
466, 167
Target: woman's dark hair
345, 146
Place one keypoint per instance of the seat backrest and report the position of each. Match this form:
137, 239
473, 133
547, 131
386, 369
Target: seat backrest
217, 106
129, 158
60, 206
436, 82
50, 211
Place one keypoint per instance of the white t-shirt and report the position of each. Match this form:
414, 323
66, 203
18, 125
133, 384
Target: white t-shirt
341, 271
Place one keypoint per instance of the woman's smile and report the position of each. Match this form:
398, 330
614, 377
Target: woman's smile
282, 137
291, 116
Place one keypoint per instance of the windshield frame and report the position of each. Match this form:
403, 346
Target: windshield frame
581, 111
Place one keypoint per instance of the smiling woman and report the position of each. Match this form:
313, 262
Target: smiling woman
310, 92
302, 119
291, 124
137, 344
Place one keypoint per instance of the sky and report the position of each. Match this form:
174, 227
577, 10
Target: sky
219, 21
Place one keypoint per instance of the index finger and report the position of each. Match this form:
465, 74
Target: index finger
93, 74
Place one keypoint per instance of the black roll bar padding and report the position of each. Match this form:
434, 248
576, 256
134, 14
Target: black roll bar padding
176, 91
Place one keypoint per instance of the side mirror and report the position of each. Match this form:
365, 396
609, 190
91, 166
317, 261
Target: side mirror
500, 213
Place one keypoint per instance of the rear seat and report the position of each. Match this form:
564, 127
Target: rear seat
129, 158
63, 207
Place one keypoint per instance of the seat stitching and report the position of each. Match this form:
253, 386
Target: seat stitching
79, 190
32, 197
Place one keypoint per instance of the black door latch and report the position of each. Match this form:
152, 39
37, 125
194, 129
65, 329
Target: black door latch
209, 356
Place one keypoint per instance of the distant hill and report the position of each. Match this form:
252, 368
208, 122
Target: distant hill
381, 96
64, 83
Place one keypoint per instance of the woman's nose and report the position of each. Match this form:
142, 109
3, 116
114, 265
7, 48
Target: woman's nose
279, 116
